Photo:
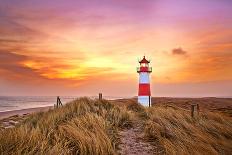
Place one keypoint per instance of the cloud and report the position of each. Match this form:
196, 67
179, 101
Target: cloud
12, 69
24, 65
179, 51
20, 68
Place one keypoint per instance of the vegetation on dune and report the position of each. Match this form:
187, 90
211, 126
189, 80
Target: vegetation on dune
179, 133
86, 126
83, 126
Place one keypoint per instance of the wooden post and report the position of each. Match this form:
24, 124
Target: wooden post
198, 109
192, 110
58, 102
100, 96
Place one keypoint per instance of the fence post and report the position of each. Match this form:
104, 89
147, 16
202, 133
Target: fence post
58, 102
100, 96
198, 109
192, 110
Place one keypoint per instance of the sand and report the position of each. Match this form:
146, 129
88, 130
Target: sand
7, 114
133, 143
10, 119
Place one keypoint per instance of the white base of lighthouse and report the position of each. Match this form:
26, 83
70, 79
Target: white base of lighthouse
144, 100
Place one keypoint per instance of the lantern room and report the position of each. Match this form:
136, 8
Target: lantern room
144, 66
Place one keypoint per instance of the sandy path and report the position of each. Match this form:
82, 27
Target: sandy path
133, 143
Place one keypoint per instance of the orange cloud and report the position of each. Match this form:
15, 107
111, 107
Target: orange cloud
28, 69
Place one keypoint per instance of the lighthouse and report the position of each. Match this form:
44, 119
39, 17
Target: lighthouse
144, 94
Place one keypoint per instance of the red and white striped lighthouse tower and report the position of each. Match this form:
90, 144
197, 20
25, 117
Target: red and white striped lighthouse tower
144, 94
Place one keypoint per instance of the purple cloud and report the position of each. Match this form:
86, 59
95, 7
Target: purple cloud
179, 51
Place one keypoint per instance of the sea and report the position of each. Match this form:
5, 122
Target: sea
11, 103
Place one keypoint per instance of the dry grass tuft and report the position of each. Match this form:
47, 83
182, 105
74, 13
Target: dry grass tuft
83, 126
179, 133
138, 109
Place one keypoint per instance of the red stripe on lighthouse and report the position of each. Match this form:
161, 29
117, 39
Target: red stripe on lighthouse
144, 89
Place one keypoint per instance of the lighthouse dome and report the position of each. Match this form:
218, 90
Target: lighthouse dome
144, 60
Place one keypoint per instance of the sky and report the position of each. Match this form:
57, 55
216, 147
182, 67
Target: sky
83, 47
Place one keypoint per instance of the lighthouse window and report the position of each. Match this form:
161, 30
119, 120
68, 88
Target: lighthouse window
144, 65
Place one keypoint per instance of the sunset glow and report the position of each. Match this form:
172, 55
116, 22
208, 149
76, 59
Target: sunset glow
85, 47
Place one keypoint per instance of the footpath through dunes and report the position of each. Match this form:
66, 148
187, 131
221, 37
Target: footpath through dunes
172, 130
133, 140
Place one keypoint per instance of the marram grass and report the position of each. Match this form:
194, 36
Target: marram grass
180, 134
86, 126
83, 126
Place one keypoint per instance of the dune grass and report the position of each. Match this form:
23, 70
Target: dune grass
86, 126
83, 126
179, 133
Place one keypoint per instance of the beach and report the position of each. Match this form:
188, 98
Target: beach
21, 112
9, 119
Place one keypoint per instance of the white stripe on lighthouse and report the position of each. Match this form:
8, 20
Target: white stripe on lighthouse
144, 100
144, 77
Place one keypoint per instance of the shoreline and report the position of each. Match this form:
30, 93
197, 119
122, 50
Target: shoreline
6, 114
208, 103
